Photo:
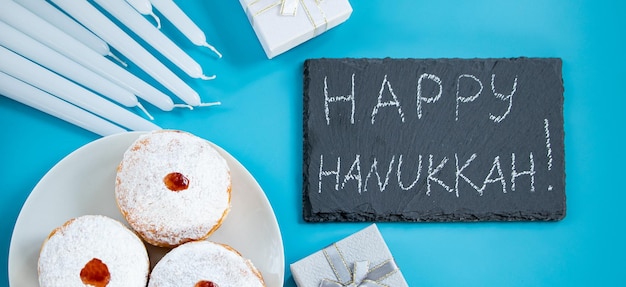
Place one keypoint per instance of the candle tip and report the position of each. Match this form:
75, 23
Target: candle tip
143, 109
183, 106
210, 104
117, 59
219, 55
156, 19
204, 77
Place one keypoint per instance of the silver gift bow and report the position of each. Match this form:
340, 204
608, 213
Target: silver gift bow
361, 276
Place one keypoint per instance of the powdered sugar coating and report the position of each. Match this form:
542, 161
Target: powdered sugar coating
191, 262
84, 238
164, 217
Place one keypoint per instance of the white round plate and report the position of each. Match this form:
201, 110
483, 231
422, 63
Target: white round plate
83, 183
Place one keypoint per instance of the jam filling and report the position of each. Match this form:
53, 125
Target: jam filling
176, 181
205, 283
95, 273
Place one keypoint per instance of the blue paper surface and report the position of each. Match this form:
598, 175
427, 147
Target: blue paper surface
260, 123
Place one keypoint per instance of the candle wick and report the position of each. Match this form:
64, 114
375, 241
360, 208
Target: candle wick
157, 20
117, 59
183, 106
207, 77
219, 55
143, 109
210, 104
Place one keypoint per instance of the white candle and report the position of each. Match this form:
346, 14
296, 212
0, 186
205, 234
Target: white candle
60, 20
26, 94
140, 26
28, 47
99, 24
44, 32
44, 79
145, 8
183, 23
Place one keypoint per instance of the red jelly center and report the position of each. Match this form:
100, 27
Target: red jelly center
176, 181
95, 273
205, 283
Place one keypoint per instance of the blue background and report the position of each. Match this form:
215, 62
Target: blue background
260, 124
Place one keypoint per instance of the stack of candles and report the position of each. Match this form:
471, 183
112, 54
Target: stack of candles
59, 64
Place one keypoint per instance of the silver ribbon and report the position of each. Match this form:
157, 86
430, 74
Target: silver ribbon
361, 276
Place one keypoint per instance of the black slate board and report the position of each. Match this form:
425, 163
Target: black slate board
433, 140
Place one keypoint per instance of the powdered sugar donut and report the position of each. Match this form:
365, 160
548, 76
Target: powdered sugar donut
173, 187
93, 250
205, 264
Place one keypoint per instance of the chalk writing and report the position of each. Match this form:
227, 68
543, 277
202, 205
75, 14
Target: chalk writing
531, 172
435, 169
548, 148
500, 178
460, 99
503, 97
327, 173
393, 103
329, 99
432, 173
429, 100
354, 174
459, 173
417, 176
421, 98
374, 170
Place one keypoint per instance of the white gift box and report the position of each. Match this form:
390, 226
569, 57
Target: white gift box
361, 259
283, 24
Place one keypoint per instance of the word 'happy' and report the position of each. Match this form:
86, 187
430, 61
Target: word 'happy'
422, 97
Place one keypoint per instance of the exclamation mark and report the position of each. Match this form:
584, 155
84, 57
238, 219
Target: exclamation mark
548, 147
